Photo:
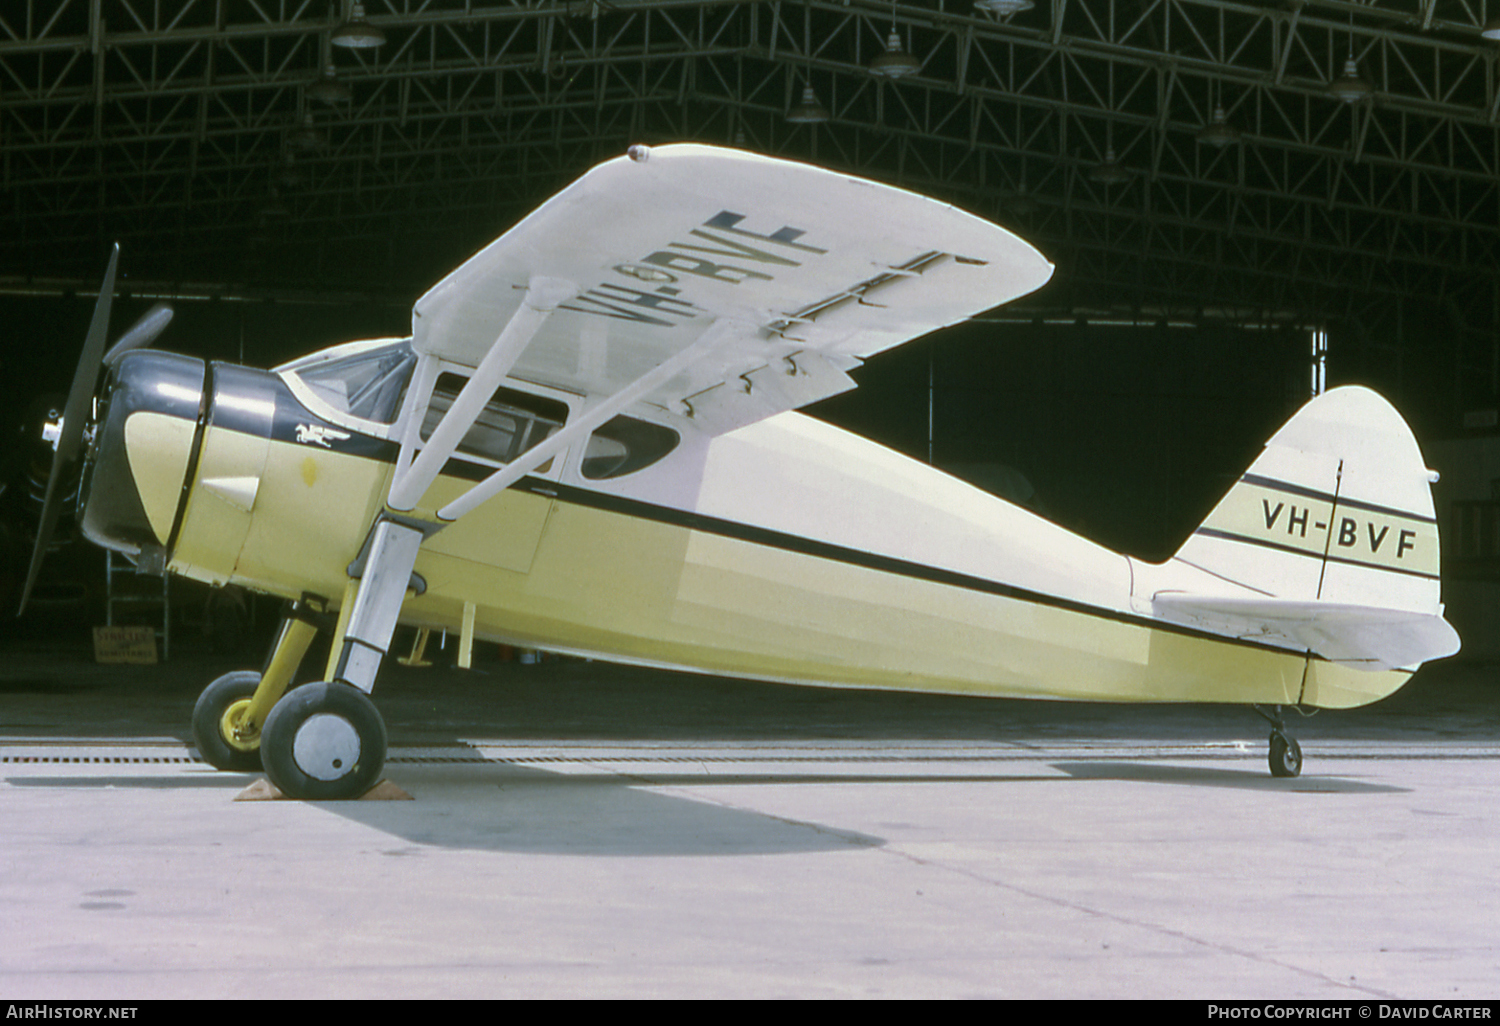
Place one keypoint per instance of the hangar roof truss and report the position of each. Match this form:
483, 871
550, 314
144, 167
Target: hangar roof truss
190, 129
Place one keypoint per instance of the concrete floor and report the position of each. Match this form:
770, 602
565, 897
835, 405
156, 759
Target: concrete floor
582, 830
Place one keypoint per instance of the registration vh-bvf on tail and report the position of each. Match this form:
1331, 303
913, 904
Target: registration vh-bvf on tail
588, 445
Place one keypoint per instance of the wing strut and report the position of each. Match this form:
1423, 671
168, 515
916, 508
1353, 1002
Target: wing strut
542, 297
395, 540
595, 416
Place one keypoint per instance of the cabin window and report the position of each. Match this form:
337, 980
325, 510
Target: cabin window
510, 423
625, 445
366, 385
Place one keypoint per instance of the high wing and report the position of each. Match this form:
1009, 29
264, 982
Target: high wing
713, 284
804, 271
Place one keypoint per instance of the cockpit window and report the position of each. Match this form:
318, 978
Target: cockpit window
510, 423
625, 445
367, 385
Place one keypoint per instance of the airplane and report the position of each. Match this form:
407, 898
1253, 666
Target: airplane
590, 444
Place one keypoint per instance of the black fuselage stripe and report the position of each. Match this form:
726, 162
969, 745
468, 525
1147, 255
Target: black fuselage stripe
1210, 532
361, 447
867, 560
1337, 500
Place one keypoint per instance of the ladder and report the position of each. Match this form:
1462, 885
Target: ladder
126, 589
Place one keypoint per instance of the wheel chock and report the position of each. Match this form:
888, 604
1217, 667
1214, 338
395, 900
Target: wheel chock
265, 791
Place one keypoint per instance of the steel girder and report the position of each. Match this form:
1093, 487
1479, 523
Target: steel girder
188, 129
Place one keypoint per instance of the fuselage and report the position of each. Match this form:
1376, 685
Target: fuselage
788, 550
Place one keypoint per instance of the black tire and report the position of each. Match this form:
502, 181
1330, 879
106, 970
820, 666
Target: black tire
209, 723
324, 742
1286, 756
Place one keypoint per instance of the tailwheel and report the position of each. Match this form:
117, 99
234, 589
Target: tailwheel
1286, 755
324, 742
224, 740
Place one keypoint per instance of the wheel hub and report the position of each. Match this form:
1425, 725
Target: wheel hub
237, 730
326, 746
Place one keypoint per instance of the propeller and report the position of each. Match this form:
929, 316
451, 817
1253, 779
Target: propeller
76, 412
140, 334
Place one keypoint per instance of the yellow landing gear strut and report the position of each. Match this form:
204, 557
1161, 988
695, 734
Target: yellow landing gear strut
231, 711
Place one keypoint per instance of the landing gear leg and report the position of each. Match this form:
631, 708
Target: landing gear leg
326, 741
1285, 754
231, 712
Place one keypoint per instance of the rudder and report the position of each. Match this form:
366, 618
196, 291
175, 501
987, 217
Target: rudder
1337, 508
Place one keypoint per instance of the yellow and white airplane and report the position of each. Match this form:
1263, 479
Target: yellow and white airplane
587, 445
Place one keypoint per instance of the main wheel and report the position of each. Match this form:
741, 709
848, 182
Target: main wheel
1286, 756
219, 711
323, 742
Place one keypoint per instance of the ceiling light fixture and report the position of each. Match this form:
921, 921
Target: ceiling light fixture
1218, 132
1021, 203
1111, 172
1004, 8
328, 89
1349, 87
895, 62
1491, 29
274, 209
356, 33
809, 111
307, 137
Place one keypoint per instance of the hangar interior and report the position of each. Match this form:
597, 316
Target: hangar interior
1245, 201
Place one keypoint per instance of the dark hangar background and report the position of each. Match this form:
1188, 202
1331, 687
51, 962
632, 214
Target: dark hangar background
1213, 180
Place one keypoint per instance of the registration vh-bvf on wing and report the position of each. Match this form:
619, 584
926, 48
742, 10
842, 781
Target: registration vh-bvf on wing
587, 445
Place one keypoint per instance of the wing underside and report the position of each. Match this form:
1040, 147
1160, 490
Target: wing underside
804, 271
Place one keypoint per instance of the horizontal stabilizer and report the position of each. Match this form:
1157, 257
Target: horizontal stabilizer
1364, 637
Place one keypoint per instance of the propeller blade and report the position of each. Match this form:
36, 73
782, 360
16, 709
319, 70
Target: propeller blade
140, 334
75, 413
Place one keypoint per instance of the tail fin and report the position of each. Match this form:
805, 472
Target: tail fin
1329, 540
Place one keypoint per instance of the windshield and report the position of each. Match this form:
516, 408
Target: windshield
367, 385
